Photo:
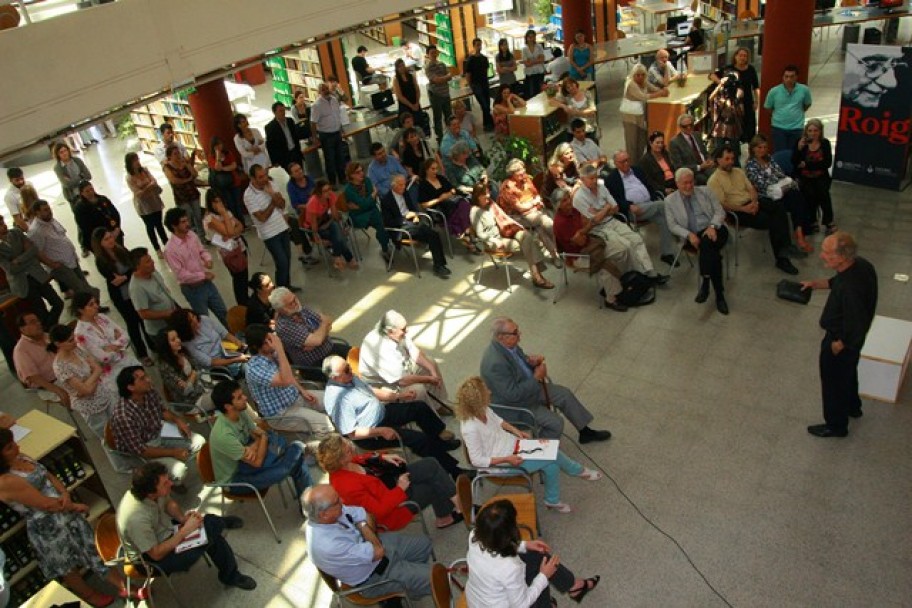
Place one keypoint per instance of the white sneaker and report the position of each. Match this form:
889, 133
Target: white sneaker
590, 475
560, 507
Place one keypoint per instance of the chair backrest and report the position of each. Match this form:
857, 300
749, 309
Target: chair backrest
526, 512
440, 586
538, 179
109, 436
237, 319
330, 581
204, 464
353, 358
107, 540
464, 498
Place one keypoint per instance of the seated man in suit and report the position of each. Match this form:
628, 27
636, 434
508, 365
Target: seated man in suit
401, 212
687, 150
343, 542
369, 416
628, 185
519, 380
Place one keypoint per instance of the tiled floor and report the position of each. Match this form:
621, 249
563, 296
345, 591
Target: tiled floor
710, 455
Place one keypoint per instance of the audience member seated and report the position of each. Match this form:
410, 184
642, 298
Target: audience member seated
491, 442
145, 519
374, 417
381, 170
399, 211
245, 450
657, 166
343, 542
34, 364
275, 388
506, 102
380, 483
436, 192
361, 199
507, 571
323, 217
630, 189
519, 380
304, 332
366, 73
137, 426
561, 173
101, 337
732, 188
585, 150
180, 376
696, 216
390, 359
770, 181
624, 247
259, 310
204, 339
300, 188
414, 152
150, 296
520, 200
496, 231
59, 535
688, 150
455, 133
406, 122
467, 171
466, 119
81, 376
662, 73
577, 105
571, 230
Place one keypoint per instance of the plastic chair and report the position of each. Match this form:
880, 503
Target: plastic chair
354, 595
526, 510
207, 476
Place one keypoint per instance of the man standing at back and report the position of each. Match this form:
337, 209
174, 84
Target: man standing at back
788, 102
326, 123
282, 140
476, 70
13, 197
266, 207
438, 88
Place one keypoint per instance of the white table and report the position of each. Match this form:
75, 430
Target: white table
885, 359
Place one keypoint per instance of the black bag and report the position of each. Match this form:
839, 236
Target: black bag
423, 120
387, 472
636, 289
793, 292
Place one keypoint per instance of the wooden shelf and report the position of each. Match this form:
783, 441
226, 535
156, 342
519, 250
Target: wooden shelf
21, 573
16, 527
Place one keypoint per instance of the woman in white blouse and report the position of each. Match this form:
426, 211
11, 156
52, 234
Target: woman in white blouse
490, 441
637, 91
507, 572
250, 144
533, 59
100, 337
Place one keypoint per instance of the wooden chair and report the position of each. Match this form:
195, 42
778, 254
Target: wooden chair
237, 319
207, 476
443, 581
354, 595
499, 259
526, 510
354, 355
108, 445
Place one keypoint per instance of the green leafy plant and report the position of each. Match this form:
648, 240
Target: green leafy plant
506, 149
125, 127
543, 10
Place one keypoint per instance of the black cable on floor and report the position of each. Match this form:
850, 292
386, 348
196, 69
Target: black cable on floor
650, 522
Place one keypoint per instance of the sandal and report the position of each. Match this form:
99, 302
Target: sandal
588, 585
543, 283
560, 507
457, 517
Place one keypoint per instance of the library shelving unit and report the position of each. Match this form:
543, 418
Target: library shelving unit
58, 447
175, 110
716, 10
384, 33
451, 30
298, 70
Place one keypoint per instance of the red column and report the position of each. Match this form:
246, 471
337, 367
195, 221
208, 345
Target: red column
787, 31
212, 114
576, 15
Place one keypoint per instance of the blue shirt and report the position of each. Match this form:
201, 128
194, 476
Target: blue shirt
352, 406
297, 195
339, 550
382, 174
271, 400
788, 108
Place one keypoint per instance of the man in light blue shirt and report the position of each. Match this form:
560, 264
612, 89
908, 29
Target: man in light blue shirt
788, 102
383, 168
455, 133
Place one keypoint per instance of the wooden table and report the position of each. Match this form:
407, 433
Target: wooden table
52, 594
662, 112
632, 46
47, 433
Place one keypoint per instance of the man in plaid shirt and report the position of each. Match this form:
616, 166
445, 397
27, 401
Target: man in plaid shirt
304, 332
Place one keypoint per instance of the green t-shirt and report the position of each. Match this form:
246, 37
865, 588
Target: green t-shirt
227, 441
142, 524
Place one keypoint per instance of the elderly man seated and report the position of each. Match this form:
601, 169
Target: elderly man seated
688, 150
628, 185
390, 359
304, 332
374, 416
343, 542
275, 388
139, 426
519, 380
571, 230
399, 211
34, 364
623, 246
519, 198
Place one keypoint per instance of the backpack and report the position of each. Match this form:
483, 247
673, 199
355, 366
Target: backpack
636, 289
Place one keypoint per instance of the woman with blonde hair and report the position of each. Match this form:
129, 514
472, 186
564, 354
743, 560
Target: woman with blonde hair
637, 91
490, 441
562, 172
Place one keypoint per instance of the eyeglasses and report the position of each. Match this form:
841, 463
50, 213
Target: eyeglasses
688, 125
876, 66
515, 332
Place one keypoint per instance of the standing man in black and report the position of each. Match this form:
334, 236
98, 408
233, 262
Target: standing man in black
476, 72
846, 318
282, 140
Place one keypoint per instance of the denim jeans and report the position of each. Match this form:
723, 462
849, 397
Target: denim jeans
283, 460
332, 232
279, 247
482, 93
785, 139
551, 470
205, 297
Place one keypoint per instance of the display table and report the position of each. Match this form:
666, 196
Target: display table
662, 112
885, 359
52, 594
46, 434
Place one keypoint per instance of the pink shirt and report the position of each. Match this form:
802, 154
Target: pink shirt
31, 358
318, 206
187, 258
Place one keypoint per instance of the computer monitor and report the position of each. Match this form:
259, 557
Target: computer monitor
382, 100
825, 5
684, 28
672, 24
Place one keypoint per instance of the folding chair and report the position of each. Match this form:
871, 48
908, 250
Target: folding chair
526, 510
355, 595
405, 242
571, 261
498, 259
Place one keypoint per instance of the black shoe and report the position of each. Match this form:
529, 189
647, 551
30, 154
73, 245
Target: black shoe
703, 293
856, 413
822, 430
615, 306
670, 260
442, 271
233, 522
659, 279
451, 444
588, 435
722, 305
242, 581
786, 266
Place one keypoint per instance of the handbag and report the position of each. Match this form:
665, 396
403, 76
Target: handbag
629, 106
385, 471
507, 226
777, 191
235, 259
793, 292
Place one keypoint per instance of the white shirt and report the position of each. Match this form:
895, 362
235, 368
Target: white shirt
588, 204
160, 149
13, 200
557, 68
500, 581
536, 53
486, 440
585, 150
324, 114
257, 200
383, 361
400, 201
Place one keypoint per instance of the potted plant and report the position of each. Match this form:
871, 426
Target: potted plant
507, 148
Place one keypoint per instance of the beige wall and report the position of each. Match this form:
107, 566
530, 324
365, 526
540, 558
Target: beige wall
79, 65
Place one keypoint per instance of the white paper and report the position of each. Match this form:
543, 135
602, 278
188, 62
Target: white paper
196, 539
19, 432
170, 431
537, 449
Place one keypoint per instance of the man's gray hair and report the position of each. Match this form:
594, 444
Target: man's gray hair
277, 297
558, 195
588, 171
682, 172
314, 506
684, 117
460, 147
329, 365
398, 177
499, 325
391, 319
515, 166
616, 152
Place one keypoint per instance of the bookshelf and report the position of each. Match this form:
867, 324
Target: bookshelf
716, 10
175, 110
298, 70
382, 33
451, 30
